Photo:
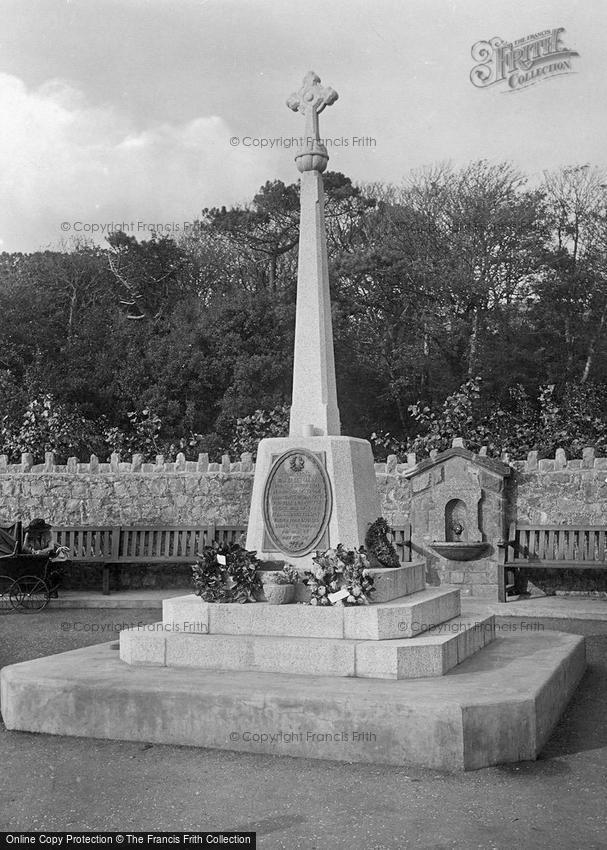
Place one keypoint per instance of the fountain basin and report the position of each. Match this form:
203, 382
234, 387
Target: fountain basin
461, 550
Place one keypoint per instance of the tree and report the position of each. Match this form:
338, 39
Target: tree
152, 274
266, 232
575, 277
492, 231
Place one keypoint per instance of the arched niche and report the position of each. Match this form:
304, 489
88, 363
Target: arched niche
456, 520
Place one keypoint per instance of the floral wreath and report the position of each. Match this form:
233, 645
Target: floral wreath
227, 574
343, 572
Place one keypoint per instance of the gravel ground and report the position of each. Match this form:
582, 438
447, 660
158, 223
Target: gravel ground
51, 783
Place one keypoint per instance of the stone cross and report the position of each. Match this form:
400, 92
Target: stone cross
333, 497
310, 100
314, 410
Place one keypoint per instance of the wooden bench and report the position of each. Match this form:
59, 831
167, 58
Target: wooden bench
554, 547
154, 544
143, 544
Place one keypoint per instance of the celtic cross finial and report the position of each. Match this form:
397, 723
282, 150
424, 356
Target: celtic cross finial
312, 97
310, 100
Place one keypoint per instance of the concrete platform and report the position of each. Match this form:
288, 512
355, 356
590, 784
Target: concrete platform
431, 654
400, 618
498, 706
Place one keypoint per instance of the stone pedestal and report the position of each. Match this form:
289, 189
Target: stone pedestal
335, 503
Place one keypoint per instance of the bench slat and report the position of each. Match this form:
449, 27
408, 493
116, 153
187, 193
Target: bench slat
558, 545
567, 545
557, 565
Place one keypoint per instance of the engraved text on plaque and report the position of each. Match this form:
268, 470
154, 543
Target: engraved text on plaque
297, 503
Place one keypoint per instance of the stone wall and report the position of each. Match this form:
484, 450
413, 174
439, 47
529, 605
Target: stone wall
562, 491
129, 493
119, 493
555, 490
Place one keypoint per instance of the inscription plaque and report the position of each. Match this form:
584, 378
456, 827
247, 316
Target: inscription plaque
297, 503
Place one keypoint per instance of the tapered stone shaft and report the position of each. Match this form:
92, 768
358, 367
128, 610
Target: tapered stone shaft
314, 401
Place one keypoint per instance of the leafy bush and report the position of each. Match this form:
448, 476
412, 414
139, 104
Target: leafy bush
141, 437
571, 417
249, 430
48, 426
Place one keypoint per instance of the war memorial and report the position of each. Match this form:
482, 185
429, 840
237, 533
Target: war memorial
405, 679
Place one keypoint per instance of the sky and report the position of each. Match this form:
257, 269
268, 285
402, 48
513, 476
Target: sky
144, 112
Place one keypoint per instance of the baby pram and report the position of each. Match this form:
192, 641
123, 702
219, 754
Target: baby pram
26, 581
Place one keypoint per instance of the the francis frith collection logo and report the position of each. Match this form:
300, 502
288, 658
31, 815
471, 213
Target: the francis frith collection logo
521, 63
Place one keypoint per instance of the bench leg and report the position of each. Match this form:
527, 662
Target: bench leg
501, 583
105, 581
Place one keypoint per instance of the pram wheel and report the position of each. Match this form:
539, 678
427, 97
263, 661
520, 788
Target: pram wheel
30, 593
6, 583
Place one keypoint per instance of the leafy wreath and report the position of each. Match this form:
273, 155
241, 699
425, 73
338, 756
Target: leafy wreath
340, 570
227, 574
378, 545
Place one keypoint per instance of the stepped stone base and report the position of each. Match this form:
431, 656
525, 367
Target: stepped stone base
400, 581
498, 706
399, 618
432, 654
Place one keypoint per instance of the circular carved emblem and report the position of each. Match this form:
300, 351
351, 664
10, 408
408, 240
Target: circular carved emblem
297, 502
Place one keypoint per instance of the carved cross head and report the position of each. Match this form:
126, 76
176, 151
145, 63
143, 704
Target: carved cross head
312, 97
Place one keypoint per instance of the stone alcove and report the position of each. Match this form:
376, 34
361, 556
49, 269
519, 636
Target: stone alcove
456, 521
459, 488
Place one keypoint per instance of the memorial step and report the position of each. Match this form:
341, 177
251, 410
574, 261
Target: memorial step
394, 583
390, 583
431, 654
399, 618
498, 706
